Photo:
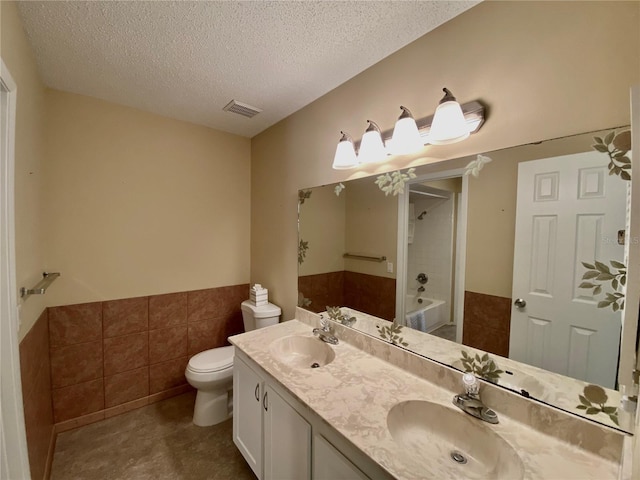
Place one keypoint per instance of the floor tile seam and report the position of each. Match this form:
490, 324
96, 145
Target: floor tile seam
103, 410
124, 402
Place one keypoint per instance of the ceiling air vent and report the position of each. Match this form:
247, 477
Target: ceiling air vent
242, 109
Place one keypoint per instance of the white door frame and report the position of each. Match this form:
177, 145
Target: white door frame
630, 361
13, 439
461, 246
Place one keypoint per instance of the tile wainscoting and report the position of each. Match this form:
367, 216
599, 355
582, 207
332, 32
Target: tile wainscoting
487, 318
36, 397
86, 362
367, 293
487, 322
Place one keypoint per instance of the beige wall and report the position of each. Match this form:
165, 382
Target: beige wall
322, 224
372, 226
360, 220
139, 204
543, 69
29, 161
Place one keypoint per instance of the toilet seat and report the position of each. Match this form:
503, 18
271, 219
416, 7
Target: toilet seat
214, 360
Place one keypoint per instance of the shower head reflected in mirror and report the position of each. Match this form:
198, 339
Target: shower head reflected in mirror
422, 215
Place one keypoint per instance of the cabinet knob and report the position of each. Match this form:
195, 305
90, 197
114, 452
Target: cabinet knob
256, 393
265, 404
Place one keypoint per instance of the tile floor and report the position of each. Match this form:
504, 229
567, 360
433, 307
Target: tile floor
154, 442
448, 332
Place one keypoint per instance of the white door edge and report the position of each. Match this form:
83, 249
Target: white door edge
13, 439
628, 355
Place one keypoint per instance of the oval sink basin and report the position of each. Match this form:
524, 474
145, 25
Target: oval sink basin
466, 447
302, 352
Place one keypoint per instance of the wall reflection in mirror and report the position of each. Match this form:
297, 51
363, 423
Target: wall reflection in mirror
517, 254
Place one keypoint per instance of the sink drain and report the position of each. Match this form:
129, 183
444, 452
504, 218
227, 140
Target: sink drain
458, 457
315, 365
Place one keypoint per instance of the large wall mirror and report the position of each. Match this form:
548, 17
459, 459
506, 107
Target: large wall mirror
510, 264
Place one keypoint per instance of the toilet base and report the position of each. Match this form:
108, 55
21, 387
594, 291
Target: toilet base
212, 408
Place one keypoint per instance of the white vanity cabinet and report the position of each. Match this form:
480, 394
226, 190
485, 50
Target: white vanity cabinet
274, 439
248, 391
330, 464
281, 439
287, 440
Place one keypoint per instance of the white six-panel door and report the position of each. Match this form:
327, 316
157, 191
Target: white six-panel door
569, 211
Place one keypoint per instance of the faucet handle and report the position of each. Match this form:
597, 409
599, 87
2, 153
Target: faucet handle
324, 323
471, 384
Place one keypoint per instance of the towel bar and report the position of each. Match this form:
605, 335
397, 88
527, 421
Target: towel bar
359, 256
41, 287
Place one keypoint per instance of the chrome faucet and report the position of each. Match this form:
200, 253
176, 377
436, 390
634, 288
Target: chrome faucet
470, 403
336, 315
325, 334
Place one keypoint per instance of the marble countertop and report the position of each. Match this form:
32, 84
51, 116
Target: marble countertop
355, 392
552, 388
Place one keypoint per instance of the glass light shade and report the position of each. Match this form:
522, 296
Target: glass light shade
345, 156
406, 138
371, 147
449, 125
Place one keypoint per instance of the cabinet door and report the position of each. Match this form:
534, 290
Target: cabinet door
287, 440
330, 464
247, 414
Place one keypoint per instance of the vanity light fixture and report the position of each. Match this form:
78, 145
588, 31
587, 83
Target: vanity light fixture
345, 156
372, 147
451, 123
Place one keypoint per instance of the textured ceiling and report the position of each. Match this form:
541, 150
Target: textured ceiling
187, 60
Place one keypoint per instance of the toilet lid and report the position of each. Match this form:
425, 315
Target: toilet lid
212, 360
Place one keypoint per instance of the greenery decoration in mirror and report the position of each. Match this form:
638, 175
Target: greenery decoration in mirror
617, 147
593, 401
303, 195
303, 301
391, 334
302, 251
474, 166
337, 316
483, 367
600, 272
395, 181
338, 189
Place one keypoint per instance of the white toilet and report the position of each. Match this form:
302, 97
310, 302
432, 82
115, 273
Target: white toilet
211, 371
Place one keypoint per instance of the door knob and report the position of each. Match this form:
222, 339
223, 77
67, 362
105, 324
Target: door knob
520, 303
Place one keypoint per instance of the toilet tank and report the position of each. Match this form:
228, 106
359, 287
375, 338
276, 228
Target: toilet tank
259, 317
